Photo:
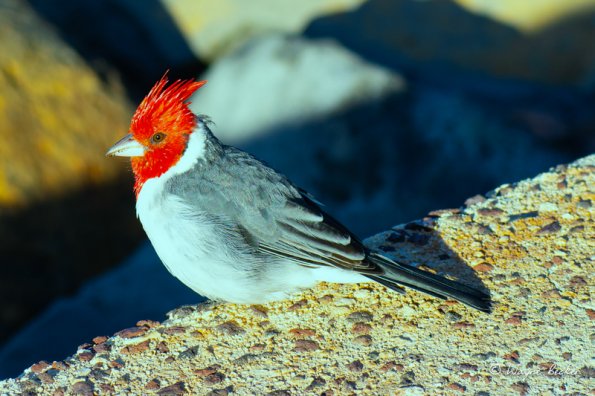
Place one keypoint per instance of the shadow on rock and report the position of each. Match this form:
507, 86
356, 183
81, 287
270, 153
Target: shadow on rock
418, 244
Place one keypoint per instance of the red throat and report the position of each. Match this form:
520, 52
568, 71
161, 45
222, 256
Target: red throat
163, 111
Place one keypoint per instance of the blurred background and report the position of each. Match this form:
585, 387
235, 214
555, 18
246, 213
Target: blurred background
383, 109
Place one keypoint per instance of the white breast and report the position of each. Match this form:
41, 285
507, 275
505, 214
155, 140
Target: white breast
181, 240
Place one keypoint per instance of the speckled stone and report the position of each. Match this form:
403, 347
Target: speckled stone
363, 339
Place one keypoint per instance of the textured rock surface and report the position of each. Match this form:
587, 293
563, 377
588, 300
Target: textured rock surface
531, 244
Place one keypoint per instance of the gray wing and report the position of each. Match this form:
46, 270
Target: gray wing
272, 215
309, 236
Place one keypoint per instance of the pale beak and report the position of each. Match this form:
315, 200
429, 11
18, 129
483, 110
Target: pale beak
126, 147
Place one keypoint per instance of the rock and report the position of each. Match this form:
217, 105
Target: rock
528, 16
176, 389
135, 348
213, 29
131, 332
488, 354
82, 388
57, 115
438, 37
277, 80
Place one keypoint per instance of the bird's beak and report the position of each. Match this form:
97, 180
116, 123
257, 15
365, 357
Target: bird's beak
126, 147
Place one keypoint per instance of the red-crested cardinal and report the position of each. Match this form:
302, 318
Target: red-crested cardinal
233, 229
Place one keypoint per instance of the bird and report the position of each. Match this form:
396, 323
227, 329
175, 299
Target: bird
233, 229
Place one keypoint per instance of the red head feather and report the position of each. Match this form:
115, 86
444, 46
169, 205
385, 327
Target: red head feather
164, 111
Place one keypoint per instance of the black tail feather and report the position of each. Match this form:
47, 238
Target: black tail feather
396, 274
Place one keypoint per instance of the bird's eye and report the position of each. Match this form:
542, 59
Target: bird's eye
157, 137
